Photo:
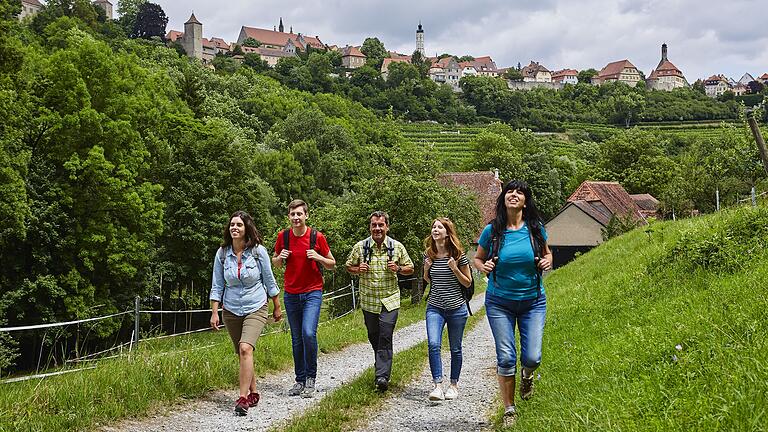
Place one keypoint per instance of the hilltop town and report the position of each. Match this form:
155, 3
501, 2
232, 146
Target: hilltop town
277, 43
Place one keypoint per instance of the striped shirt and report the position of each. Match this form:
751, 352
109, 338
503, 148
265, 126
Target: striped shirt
378, 286
445, 288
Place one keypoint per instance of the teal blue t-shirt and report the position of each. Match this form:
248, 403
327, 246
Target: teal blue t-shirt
515, 270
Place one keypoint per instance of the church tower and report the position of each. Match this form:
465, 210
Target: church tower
420, 40
280, 27
193, 38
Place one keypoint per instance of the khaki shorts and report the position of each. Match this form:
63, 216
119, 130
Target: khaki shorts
245, 329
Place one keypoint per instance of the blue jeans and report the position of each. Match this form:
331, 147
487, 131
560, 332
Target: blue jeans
303, 311
437, 319
529, 315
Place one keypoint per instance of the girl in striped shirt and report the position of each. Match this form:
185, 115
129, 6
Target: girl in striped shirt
446, 269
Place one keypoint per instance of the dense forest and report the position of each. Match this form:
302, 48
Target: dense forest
121, 159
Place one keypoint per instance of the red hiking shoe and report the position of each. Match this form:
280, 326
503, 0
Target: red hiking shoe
253, 399
241, 407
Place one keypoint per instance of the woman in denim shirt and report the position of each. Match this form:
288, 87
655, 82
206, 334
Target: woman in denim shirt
242, 280
515, 294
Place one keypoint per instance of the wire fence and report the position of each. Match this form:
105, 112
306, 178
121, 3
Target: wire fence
328, 310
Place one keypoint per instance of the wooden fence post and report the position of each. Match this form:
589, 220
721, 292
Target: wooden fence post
760, 143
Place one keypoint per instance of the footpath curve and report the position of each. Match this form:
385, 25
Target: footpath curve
215, 411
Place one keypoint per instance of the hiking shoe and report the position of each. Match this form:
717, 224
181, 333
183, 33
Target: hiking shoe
253, 399
510, 416
296, 389
437, 393
309, 388
526, 387
452, 392
241, 407
382, 384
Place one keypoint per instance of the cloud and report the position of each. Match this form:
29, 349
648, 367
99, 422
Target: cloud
704, 37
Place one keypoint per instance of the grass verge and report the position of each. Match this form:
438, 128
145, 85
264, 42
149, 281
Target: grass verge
159, 373
349, 405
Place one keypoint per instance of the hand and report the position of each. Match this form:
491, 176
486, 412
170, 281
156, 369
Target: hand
544, 264
277, 314
363, 268
284, 254
488, 266
452, 264
393, 266
427, 264
215, 320
313, 255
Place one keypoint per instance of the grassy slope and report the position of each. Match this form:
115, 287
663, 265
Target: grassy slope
635, 342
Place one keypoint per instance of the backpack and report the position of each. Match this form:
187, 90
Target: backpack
368, 251
494, 255
312, 243
222, 257
469, 292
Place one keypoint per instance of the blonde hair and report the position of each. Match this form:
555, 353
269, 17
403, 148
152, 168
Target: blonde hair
452, 242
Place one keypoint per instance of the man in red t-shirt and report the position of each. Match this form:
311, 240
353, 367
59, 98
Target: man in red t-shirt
303, 291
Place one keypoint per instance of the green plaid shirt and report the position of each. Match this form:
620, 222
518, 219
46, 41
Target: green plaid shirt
378, 286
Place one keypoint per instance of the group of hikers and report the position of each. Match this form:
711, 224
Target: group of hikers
512, 251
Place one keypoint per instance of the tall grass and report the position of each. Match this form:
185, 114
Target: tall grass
159, 372
664, 328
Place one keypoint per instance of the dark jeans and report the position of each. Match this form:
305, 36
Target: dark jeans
380, 328
303, 311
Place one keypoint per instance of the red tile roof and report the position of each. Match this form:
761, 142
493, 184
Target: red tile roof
608, 198
388, 61
193, 20
532, 69
173, 35
613, 70
564, 73
352, 51
220, 43
649, 206
484, 185
764, 76
271, 37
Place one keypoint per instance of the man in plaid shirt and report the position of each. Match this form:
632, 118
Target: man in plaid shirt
378, 260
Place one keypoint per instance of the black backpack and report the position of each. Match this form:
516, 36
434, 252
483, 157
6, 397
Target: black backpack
312, 243
368, 251
469, 292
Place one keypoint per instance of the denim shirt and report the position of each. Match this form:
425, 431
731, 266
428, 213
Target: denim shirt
248, 293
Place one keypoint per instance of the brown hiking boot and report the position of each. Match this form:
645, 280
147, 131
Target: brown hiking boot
526, 387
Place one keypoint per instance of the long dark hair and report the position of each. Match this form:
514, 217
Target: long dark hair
530, 213
252, 236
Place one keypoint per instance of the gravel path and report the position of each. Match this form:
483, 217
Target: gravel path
215, 411
411, 411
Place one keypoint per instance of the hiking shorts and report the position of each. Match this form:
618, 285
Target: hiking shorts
245, 329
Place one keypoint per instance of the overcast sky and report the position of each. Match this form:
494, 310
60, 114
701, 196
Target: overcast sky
704, 37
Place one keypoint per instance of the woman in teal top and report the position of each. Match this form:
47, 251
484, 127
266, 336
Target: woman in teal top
513, 252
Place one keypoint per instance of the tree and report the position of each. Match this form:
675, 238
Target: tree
586, 75
755, 87
513, 74
465, 58
421, 63
624, 108
375, 52
254, 61
251, 42
128, 9
150, 22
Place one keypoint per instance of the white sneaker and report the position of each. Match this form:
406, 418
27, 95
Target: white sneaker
452, 393
437, 393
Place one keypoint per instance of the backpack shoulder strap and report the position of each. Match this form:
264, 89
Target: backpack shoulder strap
367, 251
391, 250
287, 239
312, 238
536, 256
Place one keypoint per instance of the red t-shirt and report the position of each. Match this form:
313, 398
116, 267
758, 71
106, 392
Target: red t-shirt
301, 273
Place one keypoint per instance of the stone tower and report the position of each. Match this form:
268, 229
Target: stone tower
420, 40
193, 38
280, 27
106, 5
663, 55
